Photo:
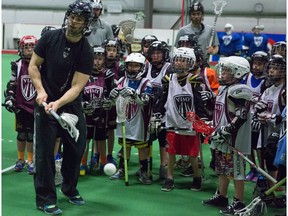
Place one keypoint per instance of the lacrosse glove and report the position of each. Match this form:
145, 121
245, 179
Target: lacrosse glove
10, 104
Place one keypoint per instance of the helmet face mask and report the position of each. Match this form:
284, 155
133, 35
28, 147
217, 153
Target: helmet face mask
157, 53
183, 60
146, 42
258, 61
276, 69
188, 40
279, 48
135, 66
112, 49
26, 46
99, 59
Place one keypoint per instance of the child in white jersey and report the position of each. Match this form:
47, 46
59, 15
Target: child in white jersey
232, 124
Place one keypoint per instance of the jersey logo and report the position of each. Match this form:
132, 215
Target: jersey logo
258, 40
131, 111
27, 88
66, 52
270, 104
93, 92
183, 104
227, 39
218, 112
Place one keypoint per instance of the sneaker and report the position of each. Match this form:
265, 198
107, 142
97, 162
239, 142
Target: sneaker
83, 170
196, 184
110, 159
50, 209
118, 175
187, 172
162, 172
236, 205
216, 200
250, 175
144, 178
255, 177
76, 200
30, 168
168, 185
19, 166
94, 162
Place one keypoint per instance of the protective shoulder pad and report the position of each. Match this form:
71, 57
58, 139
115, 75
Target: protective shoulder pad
240, 91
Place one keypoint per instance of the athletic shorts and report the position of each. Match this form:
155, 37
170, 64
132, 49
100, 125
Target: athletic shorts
24, 121
100, 133
254, 140
230, 165
177, 144
161, 136
136, 144
112, 115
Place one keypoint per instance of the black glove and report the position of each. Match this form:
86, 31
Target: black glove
255, 124
207, 95
88, 108
107, 104
272, 142
10, 104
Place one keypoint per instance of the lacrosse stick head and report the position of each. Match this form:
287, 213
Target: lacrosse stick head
199, 125
121, 108
218, 6
256, 208
68, 122
127, 28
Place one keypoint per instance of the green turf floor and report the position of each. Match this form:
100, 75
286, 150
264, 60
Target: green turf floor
104, 197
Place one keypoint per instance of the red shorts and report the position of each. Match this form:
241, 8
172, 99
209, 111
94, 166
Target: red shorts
181, 144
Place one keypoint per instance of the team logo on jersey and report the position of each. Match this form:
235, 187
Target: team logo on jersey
227, 39
218, 112
270, 105
27, 88
131, 111
93, 92
183, 104
258, 40
66, 52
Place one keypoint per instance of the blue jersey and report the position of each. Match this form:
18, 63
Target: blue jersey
256, 42
230, 44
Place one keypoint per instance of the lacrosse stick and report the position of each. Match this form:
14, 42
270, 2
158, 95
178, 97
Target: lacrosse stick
127, 27
7, 169
257, 207
218, 7
67, 122
121, 106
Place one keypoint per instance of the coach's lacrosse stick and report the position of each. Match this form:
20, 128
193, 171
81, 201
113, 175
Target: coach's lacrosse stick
121, 106
257, 207
218, 8
67, 122
127, 27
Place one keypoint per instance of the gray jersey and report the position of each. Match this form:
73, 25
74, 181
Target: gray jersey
203, 35
100, 31
223, 115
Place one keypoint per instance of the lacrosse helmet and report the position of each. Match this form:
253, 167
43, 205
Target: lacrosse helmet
135, 58
115, 29
81, 9
111, 55
157, 46
25, 42
96, 4
98, 52
167, 55
275, 68
46, 29
236, 66
188, 40
183, 54
147, 40
228, 28
279, 48
196, 6
258, 61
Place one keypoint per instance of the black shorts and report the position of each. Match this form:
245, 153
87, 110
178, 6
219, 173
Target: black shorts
254, 140
24, 121
112, 115
100, 133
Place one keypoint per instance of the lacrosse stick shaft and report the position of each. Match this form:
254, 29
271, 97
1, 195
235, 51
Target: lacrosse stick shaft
53, 113
201, 156
125, 153
275, 187
7, 169
253, 165
150, 159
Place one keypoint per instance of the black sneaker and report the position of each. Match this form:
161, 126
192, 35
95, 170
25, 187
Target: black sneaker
50, 209
236, 205
187, 172
216, 200
196, 184
144, 178
168, 185
76, 200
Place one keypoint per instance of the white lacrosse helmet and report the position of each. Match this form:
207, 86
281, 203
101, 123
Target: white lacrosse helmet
228, 28
183, 54
240, 91
135, 58
96, 4
238, 66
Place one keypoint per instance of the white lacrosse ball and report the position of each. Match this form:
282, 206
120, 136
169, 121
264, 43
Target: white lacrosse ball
110, 169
